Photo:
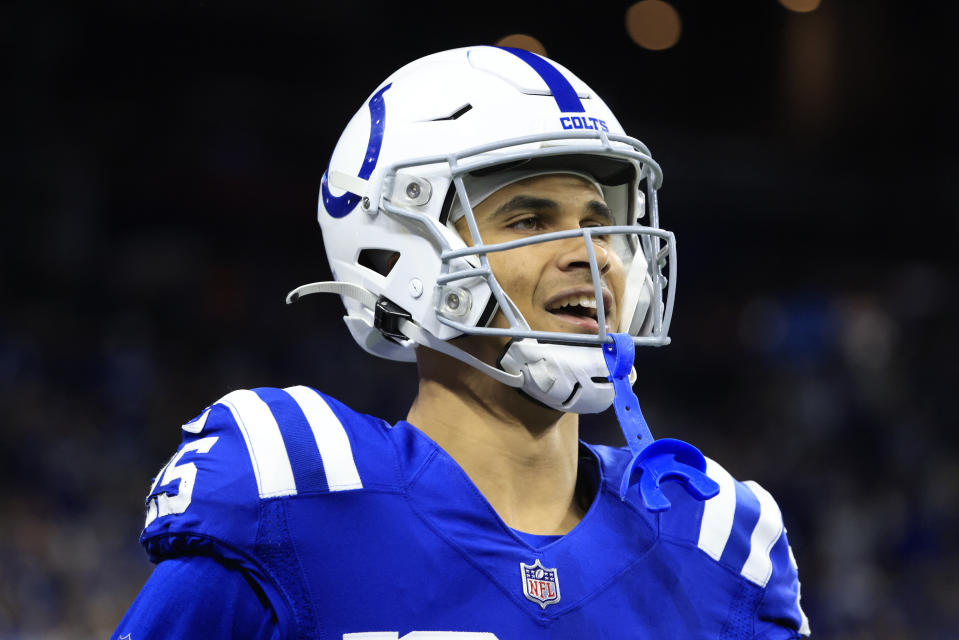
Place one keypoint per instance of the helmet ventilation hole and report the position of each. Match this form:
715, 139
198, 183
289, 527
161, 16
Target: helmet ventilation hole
456, 114
381, 261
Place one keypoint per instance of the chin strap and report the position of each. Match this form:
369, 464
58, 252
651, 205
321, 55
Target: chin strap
653, 462
349, 289
407, 328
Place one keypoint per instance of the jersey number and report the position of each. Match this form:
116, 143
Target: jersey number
164, 504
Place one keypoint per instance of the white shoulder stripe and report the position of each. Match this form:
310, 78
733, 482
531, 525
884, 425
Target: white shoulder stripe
331, 440
196, 425
718, 512
759, 566
271, 464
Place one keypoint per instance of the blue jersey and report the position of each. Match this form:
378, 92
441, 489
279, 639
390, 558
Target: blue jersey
287, 507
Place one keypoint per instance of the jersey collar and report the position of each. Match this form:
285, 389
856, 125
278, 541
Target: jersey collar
612, 536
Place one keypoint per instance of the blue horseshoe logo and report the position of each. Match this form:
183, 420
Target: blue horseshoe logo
340, 206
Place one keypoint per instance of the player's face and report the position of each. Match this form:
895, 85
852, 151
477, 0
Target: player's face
550, 282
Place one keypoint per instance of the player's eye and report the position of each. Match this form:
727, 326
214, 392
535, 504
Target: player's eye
589, 224
527, 223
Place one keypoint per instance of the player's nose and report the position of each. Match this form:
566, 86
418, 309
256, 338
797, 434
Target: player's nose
574, 254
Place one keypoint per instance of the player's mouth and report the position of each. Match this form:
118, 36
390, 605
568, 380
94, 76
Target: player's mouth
578, 308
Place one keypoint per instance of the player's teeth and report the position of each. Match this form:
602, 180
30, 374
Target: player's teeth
574, 301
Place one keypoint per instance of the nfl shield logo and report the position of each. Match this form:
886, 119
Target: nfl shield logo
540, 585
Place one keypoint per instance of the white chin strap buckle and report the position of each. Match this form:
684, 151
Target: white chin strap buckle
571, 378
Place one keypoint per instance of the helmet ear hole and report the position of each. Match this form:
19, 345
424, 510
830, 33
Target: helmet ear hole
381, 261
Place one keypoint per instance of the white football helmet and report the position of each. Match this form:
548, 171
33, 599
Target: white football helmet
438, 136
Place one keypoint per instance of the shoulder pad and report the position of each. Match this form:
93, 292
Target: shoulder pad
252, 446
742, 529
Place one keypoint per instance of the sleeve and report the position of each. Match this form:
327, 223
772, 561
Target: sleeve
209, 499
250, 448
206, 496
742, 530
780, 607
225, 493
198, 597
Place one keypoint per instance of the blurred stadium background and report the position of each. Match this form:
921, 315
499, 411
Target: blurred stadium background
162, 164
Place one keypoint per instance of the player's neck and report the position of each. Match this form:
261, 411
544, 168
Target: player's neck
521, 456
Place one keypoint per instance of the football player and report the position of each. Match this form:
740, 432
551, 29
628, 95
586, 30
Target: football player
484, 215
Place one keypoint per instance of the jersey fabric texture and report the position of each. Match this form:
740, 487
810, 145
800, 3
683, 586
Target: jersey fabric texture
200, 597
285, 514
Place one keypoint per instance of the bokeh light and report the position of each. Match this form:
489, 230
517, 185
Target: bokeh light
800, 6
653, 24
811, 72
522, 41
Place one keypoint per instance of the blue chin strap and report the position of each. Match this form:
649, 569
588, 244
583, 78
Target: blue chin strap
654, 462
